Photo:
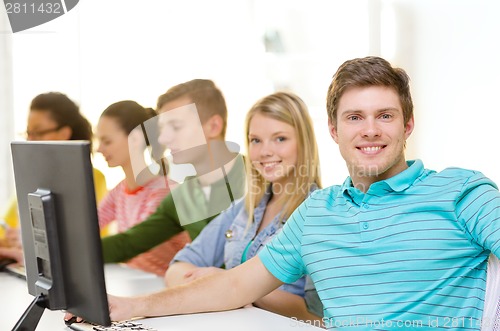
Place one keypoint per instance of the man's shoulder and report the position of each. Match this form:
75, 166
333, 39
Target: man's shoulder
459, 177
458, 173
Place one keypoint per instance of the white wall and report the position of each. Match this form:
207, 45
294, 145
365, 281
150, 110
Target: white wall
105, 51
6, 95
451, 50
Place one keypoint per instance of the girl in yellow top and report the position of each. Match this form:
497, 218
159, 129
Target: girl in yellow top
53, 116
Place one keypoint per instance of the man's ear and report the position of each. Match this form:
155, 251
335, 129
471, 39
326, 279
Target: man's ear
213, 127
409, 127
333, 131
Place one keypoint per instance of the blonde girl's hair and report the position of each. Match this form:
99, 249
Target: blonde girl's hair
288, 108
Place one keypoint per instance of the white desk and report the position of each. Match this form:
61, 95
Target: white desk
14, 299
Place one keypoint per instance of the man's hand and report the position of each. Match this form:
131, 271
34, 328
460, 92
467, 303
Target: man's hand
14, 253
120, 309
69, 318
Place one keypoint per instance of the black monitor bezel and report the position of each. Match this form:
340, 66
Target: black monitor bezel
64, 168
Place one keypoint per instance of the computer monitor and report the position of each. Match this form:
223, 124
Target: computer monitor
60, 230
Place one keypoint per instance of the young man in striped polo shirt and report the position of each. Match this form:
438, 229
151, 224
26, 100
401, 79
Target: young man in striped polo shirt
396, 246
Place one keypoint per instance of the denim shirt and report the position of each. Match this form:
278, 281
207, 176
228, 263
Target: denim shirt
223, 241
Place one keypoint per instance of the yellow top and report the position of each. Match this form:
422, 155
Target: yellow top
11, 216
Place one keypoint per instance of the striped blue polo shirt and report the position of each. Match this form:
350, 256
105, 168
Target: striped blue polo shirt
410, 253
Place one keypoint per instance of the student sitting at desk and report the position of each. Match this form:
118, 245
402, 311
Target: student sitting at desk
283, 168
395, 244
52, 116
193, 118
122, 143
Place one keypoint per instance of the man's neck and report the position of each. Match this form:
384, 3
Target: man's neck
218, 157
216, 175
364, 182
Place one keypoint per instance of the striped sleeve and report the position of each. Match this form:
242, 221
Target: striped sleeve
478, 209
107, 208
153, 197
282, 256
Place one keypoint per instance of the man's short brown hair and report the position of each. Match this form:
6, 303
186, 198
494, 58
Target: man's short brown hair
365, 72
204, 94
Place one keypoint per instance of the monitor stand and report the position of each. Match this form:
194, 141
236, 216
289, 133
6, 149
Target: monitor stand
29, 320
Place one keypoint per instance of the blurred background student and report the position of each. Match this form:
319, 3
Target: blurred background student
193, 119
52, 116
282, 169
123, 141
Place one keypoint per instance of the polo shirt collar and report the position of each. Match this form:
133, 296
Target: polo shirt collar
406, 178
398, 183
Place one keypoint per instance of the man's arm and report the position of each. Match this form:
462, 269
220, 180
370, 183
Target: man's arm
278, 301
239, 286
478, 210
176, 272
158, 227
287, 304
205, 252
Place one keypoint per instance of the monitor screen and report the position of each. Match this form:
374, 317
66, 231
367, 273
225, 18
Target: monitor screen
60, 230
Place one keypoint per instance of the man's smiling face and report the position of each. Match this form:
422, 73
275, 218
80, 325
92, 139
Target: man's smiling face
371, 133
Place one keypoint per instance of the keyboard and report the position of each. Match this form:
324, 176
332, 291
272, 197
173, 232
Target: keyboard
16, 270
115, 326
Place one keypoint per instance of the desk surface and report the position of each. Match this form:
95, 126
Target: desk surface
14, 299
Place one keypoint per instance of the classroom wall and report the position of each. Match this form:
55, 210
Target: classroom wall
451, 49
105, 51
7, 116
